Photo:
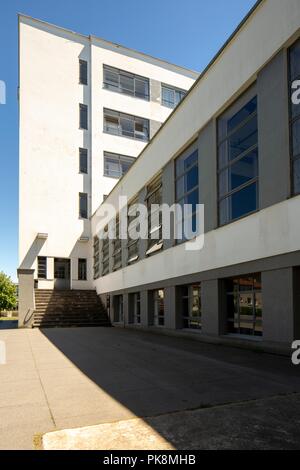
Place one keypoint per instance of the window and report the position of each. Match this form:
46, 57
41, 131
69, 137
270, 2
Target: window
294, 74
116, 165
83, 116
117, 247
244, 305
118, 309
82, 269
136, 297
238, 162
83, 78
83, 160
186, 192
83, 206
125, 82
42, 267
154, 196
126, 125
171, 96
159, 310
105, 253
191, 306
132, 243
96, 257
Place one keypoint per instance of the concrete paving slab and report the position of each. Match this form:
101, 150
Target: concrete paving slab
250, 425
76, 377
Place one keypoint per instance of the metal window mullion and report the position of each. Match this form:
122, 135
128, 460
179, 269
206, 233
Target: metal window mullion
236, 159
238, 127
177, 177
239, 188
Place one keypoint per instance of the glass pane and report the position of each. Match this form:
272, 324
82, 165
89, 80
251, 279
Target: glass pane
141, 88
178, 96
168, 97
244, 201
295, 60
241, 115
244, 138
125, 164
296, 138
184, 162
111, 124
141, 129
127, 126
225, 125
111, 79
239, 204
112, 167
192, 199
127, 84
239, 173
296, 166
246, 313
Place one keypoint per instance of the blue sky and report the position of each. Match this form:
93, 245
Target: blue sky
187, 33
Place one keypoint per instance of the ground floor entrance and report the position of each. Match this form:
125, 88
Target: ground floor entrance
62, 273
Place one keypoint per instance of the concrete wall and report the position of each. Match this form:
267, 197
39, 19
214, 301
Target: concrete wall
273, 136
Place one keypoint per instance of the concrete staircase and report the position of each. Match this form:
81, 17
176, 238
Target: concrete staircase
66, 308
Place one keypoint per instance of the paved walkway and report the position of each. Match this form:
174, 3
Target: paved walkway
65, 378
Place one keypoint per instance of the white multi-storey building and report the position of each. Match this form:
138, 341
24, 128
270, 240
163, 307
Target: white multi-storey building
88, 107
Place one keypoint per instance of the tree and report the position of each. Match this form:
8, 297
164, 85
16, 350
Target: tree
8, 299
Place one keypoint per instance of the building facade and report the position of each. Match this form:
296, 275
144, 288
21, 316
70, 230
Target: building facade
87, 109
232, 144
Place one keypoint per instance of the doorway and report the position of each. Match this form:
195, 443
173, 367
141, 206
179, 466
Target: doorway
62, 273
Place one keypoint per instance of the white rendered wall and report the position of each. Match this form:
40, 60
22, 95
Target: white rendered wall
270, 232
50, 137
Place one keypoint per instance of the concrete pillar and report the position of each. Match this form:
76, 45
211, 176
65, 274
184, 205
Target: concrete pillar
278, 305
208, 175
213, 311
168, 197
142, 243
170, 307
155, 91
146, 313
26, 297
154, 126
126, 311
296, 288
273, 132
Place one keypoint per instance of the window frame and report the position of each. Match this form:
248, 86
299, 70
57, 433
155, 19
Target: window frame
174, 90
250, 292
96, 257
132, 242
117, 246
292, 120
190, 297
119, 88
156, 301
154, 245
83, 152
231, 111
185, 155
82, 269
83, 77
83, 108
81, 214
119, 157
132, 119
105, 253
42, 268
